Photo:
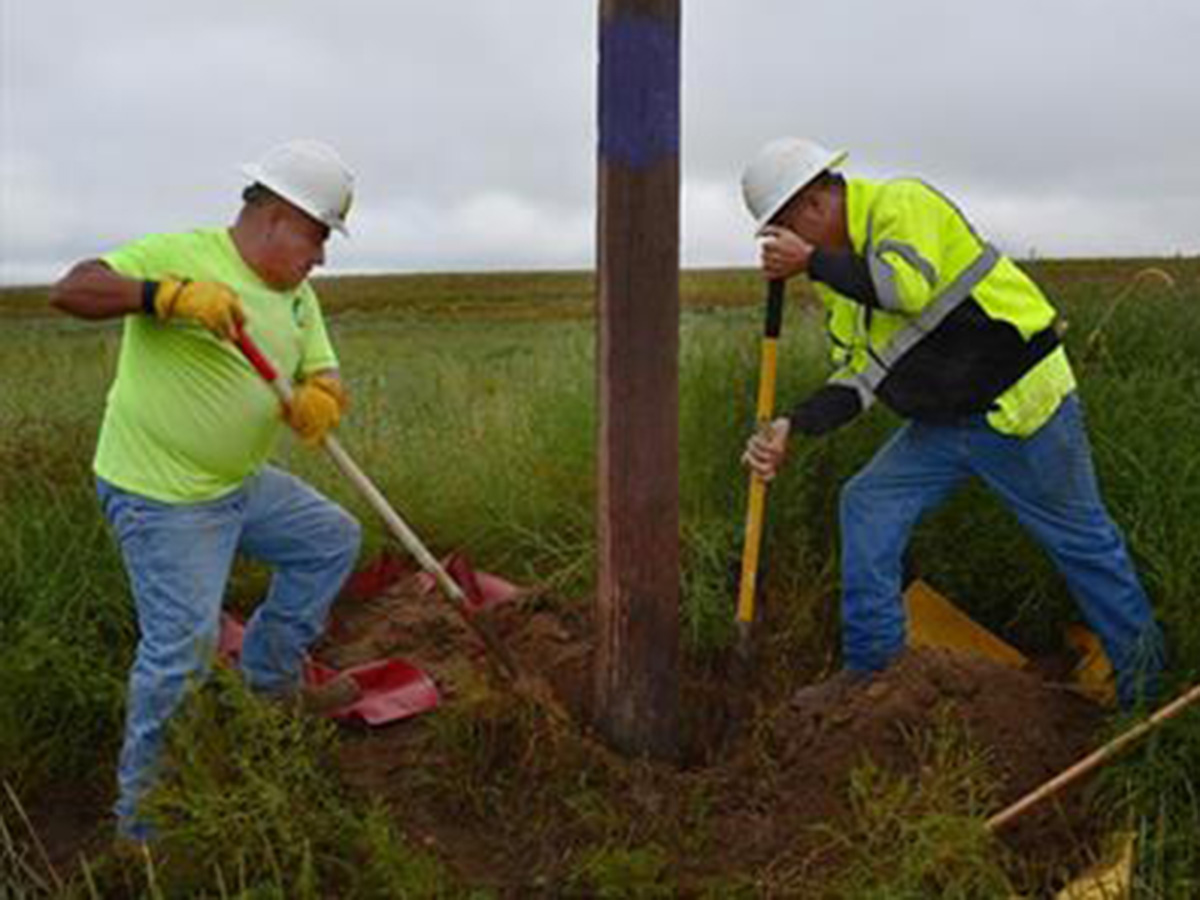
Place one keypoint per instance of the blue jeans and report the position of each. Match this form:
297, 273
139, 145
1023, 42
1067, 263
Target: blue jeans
178, 558
1047, 480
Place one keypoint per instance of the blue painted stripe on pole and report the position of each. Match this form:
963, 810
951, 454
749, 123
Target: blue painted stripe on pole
639, 91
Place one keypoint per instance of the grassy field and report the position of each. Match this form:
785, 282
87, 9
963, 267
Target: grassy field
474, 411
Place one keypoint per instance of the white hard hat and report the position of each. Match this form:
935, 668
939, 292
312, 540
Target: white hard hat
309, 175
779, 171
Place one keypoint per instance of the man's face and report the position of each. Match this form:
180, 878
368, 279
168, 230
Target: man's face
294, 246
813, 215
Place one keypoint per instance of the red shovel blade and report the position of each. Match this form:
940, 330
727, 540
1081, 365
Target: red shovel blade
482, 589
373, 579
392, 690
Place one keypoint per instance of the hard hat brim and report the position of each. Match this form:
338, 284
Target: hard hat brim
256, 175
835, 159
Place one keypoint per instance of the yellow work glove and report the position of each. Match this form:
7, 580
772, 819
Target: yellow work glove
316, 407
209, 303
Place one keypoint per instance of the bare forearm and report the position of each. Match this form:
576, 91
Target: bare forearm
91, 290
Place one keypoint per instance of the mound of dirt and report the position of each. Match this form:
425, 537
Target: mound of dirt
769, 774
1025, 730
1028, 729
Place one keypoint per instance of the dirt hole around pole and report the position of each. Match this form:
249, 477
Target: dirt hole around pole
768, 775
551, 646
720, 696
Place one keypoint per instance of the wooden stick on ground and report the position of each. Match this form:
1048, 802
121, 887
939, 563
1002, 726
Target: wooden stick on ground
1092, 761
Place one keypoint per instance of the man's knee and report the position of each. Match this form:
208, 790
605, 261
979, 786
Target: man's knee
179, 647
855, 500
343, 533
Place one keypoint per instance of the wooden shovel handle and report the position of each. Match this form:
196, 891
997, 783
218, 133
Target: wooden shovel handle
396, 525
1092, 761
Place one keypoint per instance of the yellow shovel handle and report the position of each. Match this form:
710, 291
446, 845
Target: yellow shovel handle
757, 502
754, 519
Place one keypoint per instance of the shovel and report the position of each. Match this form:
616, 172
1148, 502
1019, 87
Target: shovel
756, 506
450, 589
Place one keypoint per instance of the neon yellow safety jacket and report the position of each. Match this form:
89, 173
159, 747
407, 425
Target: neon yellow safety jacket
928, 317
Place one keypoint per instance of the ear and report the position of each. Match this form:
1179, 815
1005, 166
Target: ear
827, 206
274, 215
823, 200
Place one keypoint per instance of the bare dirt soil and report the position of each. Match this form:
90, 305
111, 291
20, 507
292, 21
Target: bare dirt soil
518, 800
501, 792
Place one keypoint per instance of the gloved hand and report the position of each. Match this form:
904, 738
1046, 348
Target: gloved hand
316, 407
210, 303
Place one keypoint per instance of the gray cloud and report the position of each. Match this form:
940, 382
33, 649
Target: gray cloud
1070, 127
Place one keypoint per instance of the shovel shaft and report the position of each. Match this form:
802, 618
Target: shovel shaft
413, 544
1092, 761
396, 525
752, 544
757, 498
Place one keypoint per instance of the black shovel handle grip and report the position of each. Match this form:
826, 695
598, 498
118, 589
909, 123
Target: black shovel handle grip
774, 322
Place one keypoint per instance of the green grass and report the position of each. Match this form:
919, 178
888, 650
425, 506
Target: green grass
917, 837
250, 807
65, 625
618, 872
474, 411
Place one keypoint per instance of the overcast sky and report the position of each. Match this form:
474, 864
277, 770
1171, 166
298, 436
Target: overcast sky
1064, 127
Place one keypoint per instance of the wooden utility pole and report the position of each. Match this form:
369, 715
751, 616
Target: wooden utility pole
637, 604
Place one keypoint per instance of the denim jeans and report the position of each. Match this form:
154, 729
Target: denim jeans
1048, 482
178, 558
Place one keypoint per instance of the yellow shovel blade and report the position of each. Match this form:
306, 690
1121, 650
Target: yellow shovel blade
1109, 879
933, 621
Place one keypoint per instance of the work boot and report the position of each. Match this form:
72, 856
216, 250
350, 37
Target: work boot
318, 699
825, 697
329, 696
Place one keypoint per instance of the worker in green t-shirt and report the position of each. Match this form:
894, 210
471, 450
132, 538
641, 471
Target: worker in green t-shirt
181, 463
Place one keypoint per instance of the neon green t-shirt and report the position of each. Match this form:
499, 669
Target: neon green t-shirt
187, 418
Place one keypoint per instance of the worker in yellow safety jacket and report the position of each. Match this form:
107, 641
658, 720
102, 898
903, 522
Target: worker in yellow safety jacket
928, 317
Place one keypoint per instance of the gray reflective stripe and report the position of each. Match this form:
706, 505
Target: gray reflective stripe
884, 280
883, 360
884, 276
929, 319
866, 396
881, 273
